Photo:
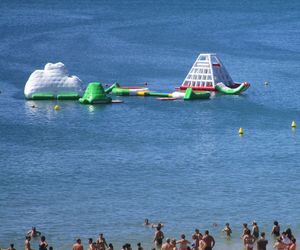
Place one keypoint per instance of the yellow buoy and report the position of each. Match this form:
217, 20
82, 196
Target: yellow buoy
241, 131
56, 107
294, 124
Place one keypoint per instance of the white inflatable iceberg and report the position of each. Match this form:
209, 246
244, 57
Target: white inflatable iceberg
53, 82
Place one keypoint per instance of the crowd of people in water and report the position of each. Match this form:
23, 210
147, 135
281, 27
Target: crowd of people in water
251, 238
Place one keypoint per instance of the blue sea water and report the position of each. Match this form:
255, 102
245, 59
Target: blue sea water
91, 169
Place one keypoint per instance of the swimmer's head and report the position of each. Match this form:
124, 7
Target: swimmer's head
78, 241
182, 236
90, 240
276, 223
245, 225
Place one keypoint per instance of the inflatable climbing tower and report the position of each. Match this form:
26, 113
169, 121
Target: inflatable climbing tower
206, 72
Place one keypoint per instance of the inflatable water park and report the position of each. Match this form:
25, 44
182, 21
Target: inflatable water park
208, 74
53, 82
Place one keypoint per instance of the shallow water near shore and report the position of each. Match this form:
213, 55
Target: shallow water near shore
91, 169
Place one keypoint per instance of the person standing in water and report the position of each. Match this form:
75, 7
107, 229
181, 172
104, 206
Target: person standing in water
245, 228
285, 239
293, 246
43, 245
208, 240
167, 245
101, 242
158, 238
276, 229
173, 244
77, 245
248, 240
255, 230
279, 245
91, 244
227, 230
183, 243
262, 242
196, 237
27, 243
289, 234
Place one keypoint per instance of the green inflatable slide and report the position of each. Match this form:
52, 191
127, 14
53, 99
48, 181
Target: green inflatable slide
192, 95
95, 94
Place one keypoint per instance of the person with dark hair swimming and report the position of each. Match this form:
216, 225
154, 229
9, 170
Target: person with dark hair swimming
147, 223
33, 232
